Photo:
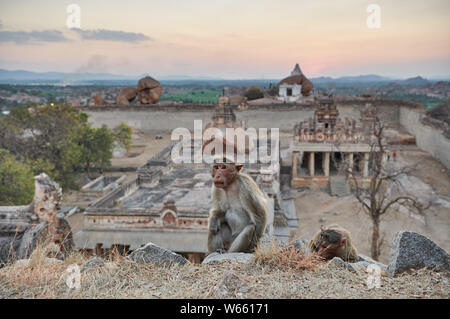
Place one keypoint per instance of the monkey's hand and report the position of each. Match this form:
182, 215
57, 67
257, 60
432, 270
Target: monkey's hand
214, 224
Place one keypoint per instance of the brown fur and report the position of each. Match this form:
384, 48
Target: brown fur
343, 248
245, 200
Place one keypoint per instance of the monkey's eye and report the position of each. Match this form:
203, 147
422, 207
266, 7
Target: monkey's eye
216, 166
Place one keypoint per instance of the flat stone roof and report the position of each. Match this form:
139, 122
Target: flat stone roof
188, 185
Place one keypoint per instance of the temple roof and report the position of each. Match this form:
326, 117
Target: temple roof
297, 70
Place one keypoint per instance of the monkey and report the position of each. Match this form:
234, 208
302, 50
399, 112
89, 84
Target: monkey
238, 216
334, 241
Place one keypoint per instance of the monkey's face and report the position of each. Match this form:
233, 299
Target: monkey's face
330, 243
223, 174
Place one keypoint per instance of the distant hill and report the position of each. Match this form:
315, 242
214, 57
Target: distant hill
29, 77
418, 80
359, 79
22, 76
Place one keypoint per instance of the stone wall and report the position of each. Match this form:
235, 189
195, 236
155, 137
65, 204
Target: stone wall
429, 139
162, 119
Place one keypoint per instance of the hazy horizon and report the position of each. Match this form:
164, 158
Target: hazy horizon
228, 39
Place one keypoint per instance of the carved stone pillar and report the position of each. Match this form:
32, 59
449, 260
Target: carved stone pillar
350, 162
326, 164
311, 164
366, 165
294, 164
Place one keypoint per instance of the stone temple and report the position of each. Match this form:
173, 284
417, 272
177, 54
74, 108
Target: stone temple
323, 142
294, 87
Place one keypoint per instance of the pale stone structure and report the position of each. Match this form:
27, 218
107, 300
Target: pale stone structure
323, 142
294, 87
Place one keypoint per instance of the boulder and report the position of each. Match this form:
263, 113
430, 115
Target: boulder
153, 254
365, 261
126, 95
98, 100
215, 258
337, 262
411, 250
94, 262
149, 90
301, 245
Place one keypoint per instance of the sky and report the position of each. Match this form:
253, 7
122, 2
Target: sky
228, 38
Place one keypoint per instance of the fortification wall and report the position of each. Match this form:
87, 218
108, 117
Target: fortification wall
161, 119
164, 120
429, 139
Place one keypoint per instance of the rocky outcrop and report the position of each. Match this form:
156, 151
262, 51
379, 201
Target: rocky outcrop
153, 254
411, 251
98, 100
149, 90
47, 198
215, 258
365, 261
302, 246
126, 95
338, 263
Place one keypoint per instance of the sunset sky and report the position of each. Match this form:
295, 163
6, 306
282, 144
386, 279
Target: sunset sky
228, 38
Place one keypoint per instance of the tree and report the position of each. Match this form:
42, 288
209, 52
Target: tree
254, 93
56, 139
16, 181
376, 199
122, 135
96, 147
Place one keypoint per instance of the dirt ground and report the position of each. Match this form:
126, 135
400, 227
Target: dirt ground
143, 147
316, 208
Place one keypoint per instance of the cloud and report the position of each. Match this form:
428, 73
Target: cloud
32, 36
110, 35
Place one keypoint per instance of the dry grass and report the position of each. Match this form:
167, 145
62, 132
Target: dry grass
286, 257
266, 277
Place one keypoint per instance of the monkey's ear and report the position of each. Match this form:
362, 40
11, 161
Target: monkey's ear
322, 228
343, 242
239, 167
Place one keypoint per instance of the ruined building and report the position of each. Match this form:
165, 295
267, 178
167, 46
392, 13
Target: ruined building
23, 227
